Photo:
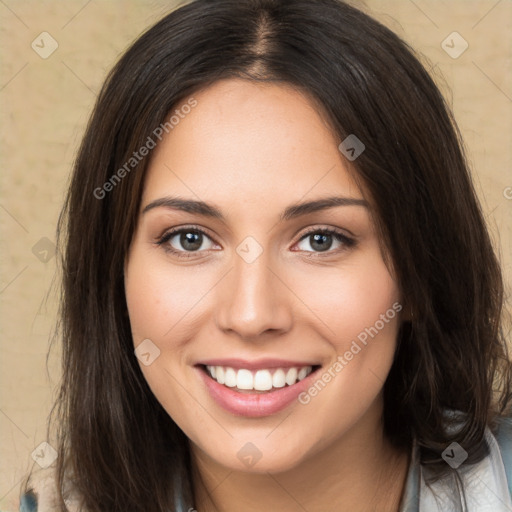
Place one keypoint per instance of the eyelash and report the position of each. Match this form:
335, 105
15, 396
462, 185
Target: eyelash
338, 235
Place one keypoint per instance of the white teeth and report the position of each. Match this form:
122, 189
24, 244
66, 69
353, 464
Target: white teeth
219, 371
303, 372
291, 376
260, 380
230, 378
244, 379
279, 379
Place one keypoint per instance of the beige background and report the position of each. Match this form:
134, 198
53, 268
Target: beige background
45, 104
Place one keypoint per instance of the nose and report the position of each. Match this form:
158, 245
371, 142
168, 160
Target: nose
253, 299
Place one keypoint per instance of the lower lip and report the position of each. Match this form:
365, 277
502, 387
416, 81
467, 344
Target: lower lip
254, 405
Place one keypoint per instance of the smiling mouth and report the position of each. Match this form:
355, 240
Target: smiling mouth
258, 381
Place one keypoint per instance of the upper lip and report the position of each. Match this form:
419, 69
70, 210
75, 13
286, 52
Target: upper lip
258, 364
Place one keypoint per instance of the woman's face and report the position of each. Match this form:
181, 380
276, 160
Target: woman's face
253, 287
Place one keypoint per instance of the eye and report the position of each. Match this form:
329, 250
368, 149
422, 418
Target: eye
322, 240
184, 242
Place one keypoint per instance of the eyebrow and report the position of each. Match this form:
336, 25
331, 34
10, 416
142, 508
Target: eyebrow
291, 212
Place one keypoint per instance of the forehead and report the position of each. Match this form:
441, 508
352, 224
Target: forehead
258, 139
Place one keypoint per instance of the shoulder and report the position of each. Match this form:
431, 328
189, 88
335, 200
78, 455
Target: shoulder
28, 502
40, 493
482, 487
503, 436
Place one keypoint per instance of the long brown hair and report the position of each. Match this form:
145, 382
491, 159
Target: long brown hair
118, 446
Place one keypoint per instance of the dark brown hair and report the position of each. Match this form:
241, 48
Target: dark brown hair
117, 444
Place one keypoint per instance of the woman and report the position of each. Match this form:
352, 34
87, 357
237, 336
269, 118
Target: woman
279, 291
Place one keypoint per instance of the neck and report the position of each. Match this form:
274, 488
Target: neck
361, 471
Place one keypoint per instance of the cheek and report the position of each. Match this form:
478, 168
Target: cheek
161, 301
352, 298
358, 308
162, 304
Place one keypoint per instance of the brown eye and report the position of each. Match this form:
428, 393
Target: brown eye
190, 240
185, 240
321, 240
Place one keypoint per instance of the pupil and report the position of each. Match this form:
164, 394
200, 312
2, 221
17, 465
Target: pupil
324, 241
191, 241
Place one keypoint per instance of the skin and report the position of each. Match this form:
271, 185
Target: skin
252, 150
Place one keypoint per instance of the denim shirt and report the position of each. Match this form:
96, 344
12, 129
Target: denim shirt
482, 487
